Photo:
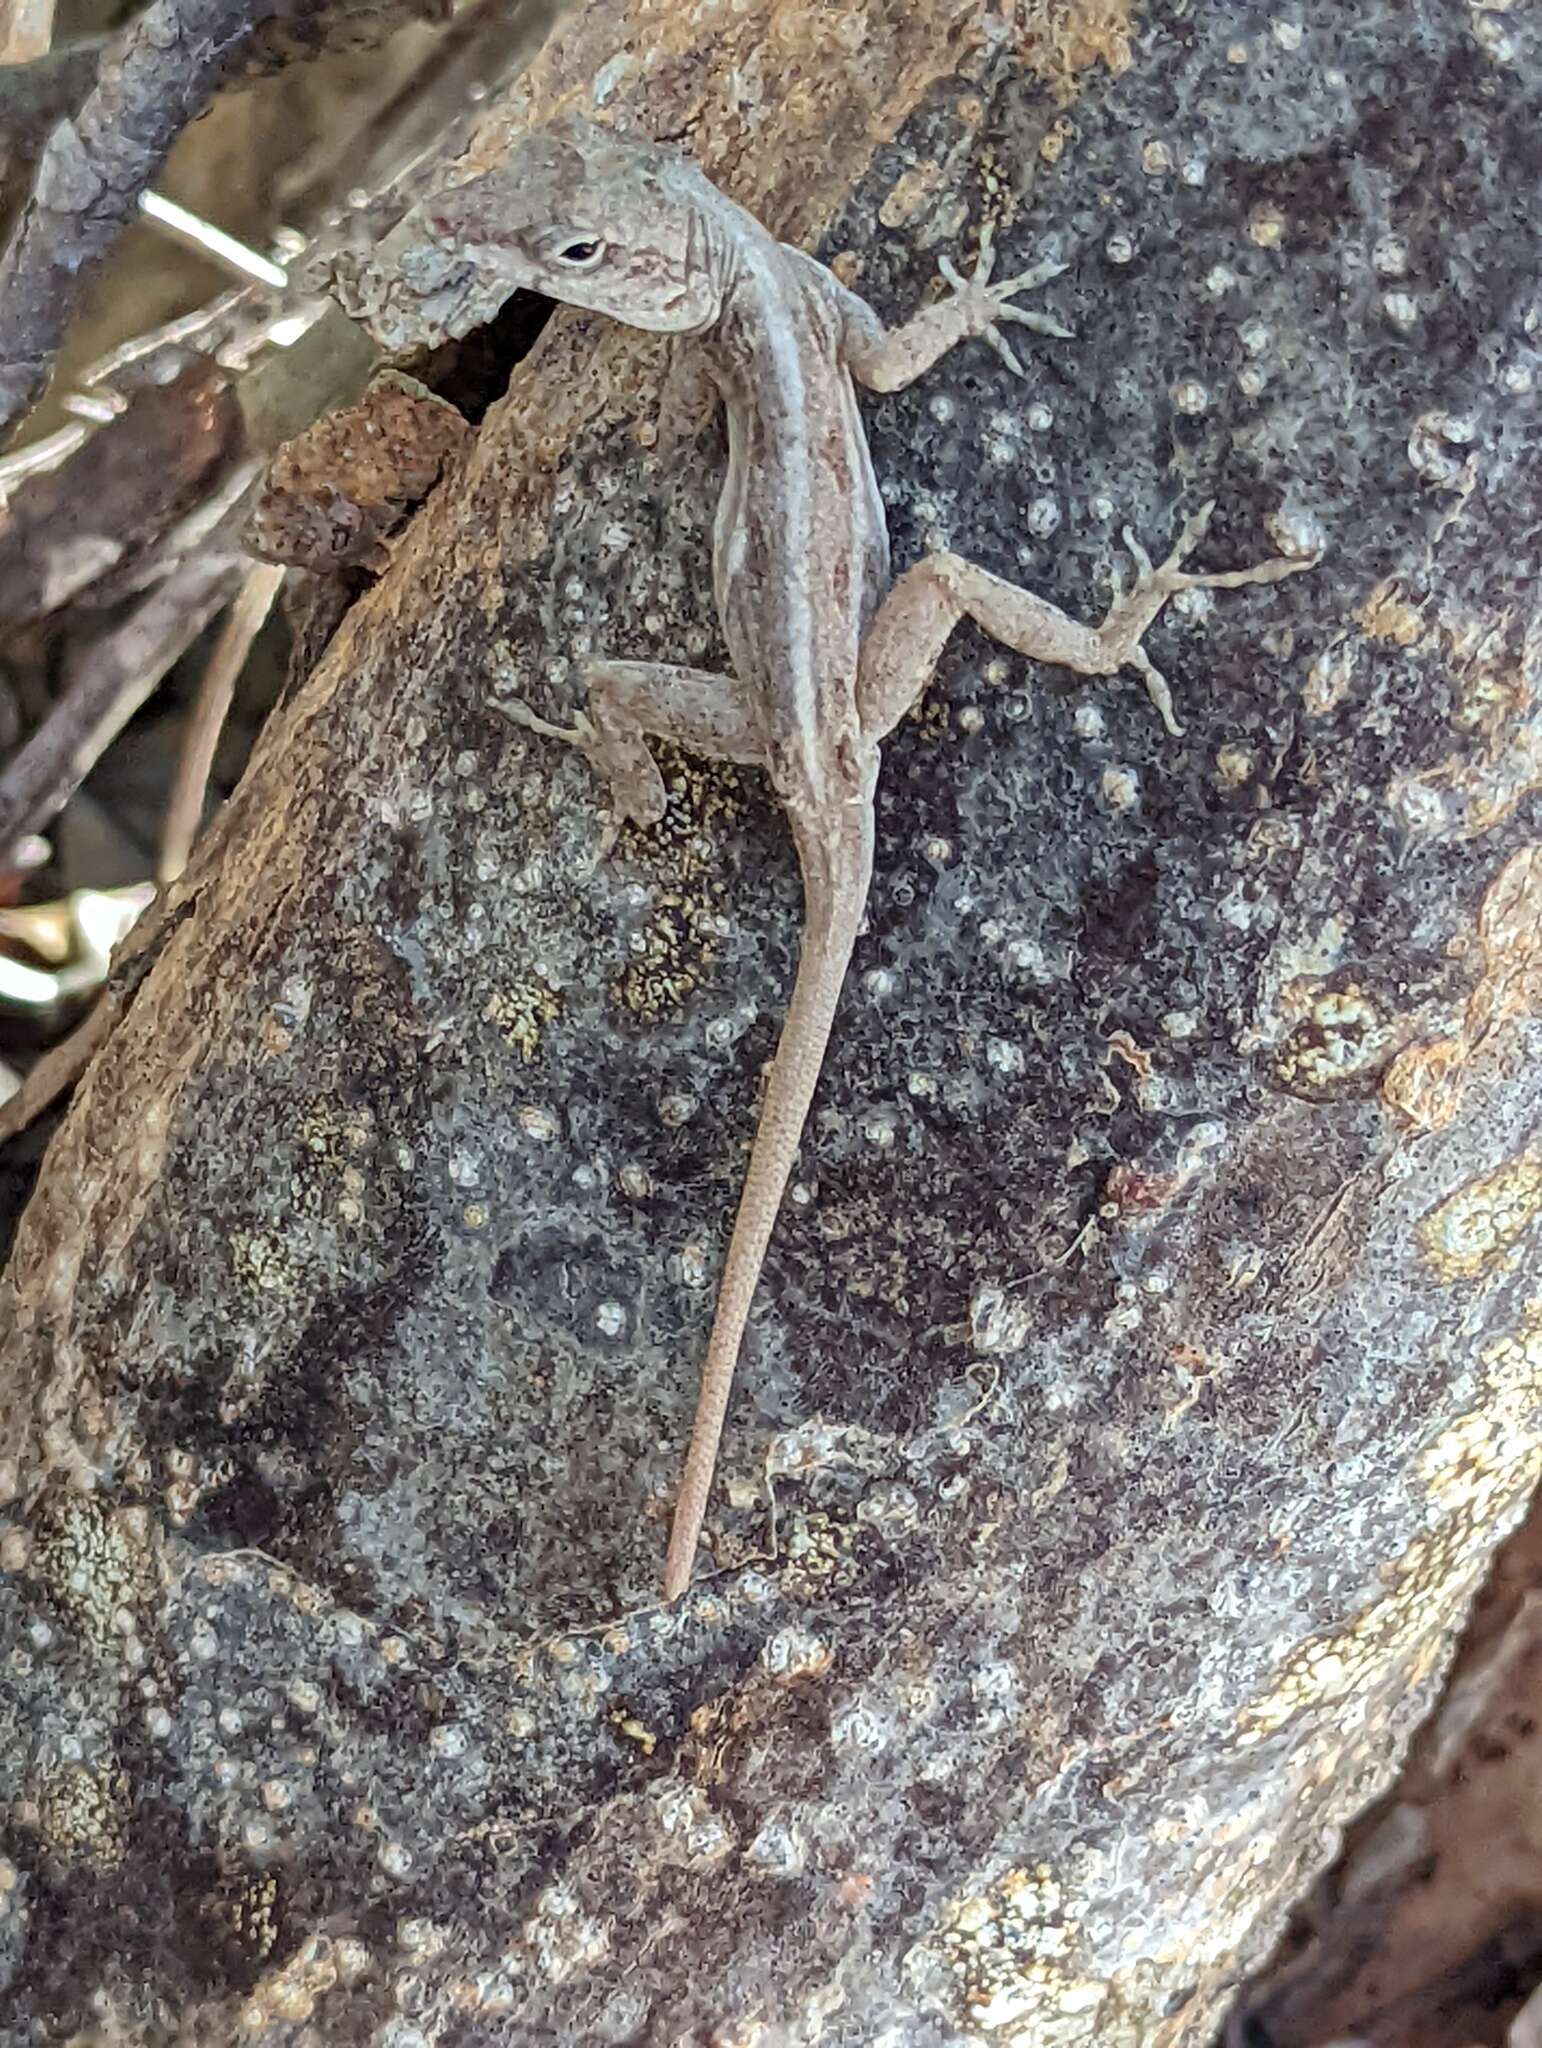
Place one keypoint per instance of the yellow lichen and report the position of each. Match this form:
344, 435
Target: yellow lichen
1011, 1951
679, 941
1479, 1472
1496, 669
1473, 1233
1424, 1083
1387, 615
82, 1814
265, 1263
1060, 38
1341, 1038
94, 1563
1403, 1627
291, 1992
522, 1013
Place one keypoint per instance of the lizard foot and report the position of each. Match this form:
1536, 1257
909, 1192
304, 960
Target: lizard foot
619, 758
989, 304
1133, 610
580, 733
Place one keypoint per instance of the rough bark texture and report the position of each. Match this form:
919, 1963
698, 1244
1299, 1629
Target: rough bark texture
1149, 1360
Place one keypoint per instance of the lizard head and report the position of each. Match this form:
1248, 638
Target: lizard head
586, 217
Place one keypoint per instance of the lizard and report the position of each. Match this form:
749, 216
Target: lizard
828, 651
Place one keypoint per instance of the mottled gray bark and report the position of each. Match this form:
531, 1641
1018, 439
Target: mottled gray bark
1145, 1367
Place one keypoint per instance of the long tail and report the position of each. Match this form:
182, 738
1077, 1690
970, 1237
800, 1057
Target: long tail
837, 867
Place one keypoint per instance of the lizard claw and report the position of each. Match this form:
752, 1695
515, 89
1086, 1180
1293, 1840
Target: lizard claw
987, 305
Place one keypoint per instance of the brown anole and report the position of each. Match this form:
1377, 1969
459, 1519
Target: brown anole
827, 654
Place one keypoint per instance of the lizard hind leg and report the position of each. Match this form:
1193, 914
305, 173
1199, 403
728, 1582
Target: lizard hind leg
912, 625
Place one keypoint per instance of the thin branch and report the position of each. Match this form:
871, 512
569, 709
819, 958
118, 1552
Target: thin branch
114, 677
212, 243
94, 167
211, 707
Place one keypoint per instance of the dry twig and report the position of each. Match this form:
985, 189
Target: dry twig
114, 677
210, 710
94, 167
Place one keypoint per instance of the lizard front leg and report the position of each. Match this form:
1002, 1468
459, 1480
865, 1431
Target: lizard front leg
907, 635
887, 359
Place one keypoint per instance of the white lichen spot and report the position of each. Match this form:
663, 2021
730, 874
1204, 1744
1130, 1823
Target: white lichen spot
464, 1167
1233, 766
1156, 159
1401, 309
419, 1938
1119, 788
689, 1266
395, 1859
1296, 533
1390, 256
1190, 397
890, 1505
1043, 516
779, 1849
696, 1834
1266, 225
998, 1322
795, 1654
1287, 34
1492, 37
1005, 1056
1119, 247
538, 1124
859, 1727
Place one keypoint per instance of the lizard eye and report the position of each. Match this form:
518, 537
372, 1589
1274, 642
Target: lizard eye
580, 255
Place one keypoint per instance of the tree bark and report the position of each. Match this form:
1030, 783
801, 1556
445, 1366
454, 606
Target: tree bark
1146, 1365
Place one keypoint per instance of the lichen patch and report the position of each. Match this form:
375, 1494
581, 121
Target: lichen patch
1474, 1233
521, 1014
1011, 1952
1423, 1084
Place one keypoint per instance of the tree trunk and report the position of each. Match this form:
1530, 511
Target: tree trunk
1146, 1363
